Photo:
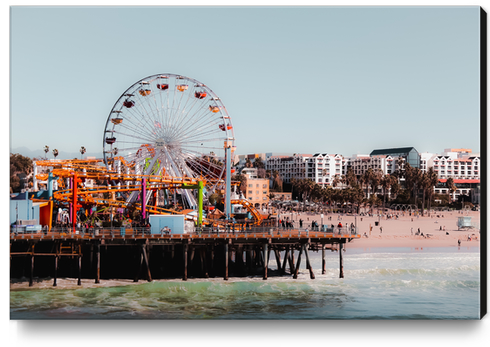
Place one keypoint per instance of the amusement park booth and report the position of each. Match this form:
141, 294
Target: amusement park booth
170, 224
32, 215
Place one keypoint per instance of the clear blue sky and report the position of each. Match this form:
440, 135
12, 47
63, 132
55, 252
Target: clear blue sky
294, 80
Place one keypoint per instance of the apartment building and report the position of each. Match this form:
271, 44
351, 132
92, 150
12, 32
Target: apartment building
361, 163
288, 166
322, 167
257, 191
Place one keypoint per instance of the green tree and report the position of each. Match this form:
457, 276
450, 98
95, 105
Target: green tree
259, 163
248, 163
19, 165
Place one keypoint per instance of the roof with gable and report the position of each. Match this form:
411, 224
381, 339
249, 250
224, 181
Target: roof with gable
393, 150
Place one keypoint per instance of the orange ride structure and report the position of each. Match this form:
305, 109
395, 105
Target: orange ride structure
168, 144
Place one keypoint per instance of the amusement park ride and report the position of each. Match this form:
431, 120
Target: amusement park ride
168, 144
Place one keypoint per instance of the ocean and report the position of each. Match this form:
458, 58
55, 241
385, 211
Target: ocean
382, 283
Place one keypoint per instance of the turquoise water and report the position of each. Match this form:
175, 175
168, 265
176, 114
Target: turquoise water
381, 284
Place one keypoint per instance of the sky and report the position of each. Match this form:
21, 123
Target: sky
344, 80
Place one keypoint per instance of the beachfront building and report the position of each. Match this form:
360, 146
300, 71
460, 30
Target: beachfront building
250, 172
257, 191
464, 168
241, 160
409, 154
288, 166
360, 163
321, 168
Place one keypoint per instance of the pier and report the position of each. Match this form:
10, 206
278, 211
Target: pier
120, 253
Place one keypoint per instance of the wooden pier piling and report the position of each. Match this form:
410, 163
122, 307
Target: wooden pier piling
296, 268
308, 265
55, 270
186, 248
323, 259
226, 261
266, 260
341, 265
97, 262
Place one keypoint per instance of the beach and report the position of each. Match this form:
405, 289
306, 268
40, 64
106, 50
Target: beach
440, 229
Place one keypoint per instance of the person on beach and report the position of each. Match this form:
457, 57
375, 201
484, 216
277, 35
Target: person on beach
300, 223
459, 242
411, 231
380, 230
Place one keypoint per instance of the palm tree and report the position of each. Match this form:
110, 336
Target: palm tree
307, 186
82, 151
277, 181
417, 182
362, 181
46, 150
367, 176
351, 178
55, 153
451, 188
433, 181
425, 185
386, 183
395, 188
357, 196
327, 194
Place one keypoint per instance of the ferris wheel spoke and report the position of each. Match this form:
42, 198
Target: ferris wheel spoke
133, 114
195, 123
204, 168
204, 133
186, 109
144, 137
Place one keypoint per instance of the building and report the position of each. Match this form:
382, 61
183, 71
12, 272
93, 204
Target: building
322, 167
241, 159
288, 166
283, 196
410, 154
361, 163
257, 191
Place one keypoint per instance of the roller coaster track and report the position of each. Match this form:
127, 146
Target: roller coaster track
250, 207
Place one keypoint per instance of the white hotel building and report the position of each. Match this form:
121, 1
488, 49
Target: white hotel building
320, 167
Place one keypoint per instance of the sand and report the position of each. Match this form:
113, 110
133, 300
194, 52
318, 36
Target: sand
398, 232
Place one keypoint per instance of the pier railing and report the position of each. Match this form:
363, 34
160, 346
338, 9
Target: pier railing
203, 232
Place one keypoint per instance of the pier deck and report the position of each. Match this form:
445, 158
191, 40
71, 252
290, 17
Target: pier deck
205, 253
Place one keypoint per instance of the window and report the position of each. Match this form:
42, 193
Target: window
250, 185
250, 192
264, 192
257, 185
264, 186
257, 192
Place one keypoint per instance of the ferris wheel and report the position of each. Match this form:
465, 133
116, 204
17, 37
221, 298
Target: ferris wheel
170, 125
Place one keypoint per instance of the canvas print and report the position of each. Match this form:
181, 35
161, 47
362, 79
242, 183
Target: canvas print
246, 163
